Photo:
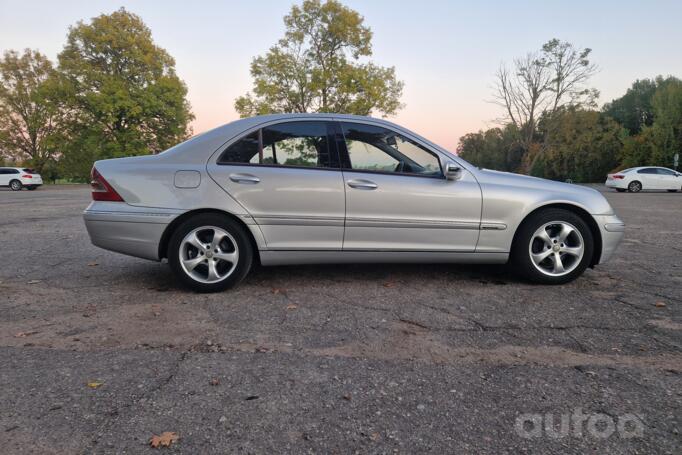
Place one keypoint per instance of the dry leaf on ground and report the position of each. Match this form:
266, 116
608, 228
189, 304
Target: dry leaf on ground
292, 306
660, 304
95, 384
165, 439
25, 334
92, 264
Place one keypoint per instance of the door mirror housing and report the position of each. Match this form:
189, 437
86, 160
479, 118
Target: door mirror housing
452, 171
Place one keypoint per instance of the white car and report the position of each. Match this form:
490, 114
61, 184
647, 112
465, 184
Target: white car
19, 177
637, 179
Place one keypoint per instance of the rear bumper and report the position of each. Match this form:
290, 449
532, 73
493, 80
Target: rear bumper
612, 230
616, 183
127, 229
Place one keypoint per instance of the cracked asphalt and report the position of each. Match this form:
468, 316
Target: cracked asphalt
335, 359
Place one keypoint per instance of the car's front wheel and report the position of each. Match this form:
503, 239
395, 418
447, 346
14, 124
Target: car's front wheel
552, 246
210, 252
15, 185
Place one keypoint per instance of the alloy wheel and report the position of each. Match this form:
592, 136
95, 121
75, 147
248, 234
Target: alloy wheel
208, 254
556, 248
635, 187
15, 185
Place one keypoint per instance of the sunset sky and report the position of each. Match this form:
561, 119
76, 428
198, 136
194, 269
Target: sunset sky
446, 52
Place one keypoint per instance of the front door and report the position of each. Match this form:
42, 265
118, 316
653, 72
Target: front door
287, 177
397, 198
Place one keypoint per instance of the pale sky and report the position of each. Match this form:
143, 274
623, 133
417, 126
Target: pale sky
446, 52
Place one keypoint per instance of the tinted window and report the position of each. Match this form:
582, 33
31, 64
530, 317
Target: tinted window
662, 171
303, 144
373, 148
29, 170
648, 170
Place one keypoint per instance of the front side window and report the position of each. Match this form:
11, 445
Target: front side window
299, 144
373, 148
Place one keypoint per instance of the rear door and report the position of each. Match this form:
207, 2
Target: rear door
287, 176
397, 197
649, 178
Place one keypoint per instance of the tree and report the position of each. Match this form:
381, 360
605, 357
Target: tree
318, 67
496, 148
30, 114
667, 126
633, 110
581, 145
542, 82
122, 90
652, 109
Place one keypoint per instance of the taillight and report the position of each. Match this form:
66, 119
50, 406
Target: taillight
26, 176
101, 190
619, 176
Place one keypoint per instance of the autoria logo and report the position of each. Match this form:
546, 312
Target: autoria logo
579, 425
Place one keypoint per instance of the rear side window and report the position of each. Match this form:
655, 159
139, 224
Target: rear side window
649, 170
29, 170
296, 144
662, 171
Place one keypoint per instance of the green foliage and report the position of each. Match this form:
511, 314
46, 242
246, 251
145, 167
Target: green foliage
121, 91
661, 136
496, 148
317, 67
30, 111
580, 145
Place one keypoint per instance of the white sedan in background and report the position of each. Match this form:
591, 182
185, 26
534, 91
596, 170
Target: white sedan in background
637, 179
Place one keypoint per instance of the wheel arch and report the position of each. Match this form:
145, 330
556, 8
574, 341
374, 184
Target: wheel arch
577, 210
168, 232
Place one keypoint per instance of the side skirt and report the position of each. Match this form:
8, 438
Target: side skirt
349, 257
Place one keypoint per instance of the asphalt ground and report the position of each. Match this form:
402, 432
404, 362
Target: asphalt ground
99, 351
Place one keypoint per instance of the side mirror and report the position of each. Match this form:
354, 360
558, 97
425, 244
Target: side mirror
452, 171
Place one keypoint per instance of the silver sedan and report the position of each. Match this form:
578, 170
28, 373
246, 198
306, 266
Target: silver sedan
325, 188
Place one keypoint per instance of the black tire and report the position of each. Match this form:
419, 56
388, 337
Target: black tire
672, 191
635, 186
620, 190
520, 254
15, 185
241, 240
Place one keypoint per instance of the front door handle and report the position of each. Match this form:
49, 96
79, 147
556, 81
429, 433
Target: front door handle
244, 178
362, 184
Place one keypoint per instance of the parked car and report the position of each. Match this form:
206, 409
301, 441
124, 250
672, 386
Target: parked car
637, 179
323, 188
19, 177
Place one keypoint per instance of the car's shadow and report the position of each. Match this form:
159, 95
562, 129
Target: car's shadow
159, 277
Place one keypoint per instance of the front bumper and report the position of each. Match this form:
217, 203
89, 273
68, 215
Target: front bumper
127, 229
612, 230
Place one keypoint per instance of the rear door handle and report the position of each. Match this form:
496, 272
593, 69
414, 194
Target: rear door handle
362, 184
244, 178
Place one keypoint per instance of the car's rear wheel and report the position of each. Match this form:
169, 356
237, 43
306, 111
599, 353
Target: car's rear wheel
210, 252
620, 190
15, 185
635, 187
552, 246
